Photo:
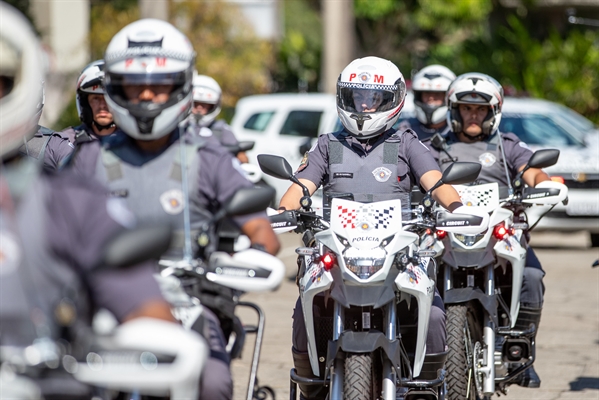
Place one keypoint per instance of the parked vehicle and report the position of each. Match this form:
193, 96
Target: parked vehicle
542, 124
366, 291
281, 124
480, 278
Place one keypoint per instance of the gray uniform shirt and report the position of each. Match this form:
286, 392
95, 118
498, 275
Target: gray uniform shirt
218, 130
423, 132
57, 229
219, 177
413, 159
488, 154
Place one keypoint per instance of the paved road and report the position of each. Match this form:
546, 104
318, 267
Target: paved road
568, 342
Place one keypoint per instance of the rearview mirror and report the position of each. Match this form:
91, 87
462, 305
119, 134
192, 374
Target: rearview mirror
275, 166
134, 246
459, 173
543, 158
249, 200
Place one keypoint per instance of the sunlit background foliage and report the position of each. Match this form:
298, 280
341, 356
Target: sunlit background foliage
559, 62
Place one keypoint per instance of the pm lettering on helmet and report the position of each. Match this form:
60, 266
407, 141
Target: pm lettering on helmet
351, 77
379, 79
161, 61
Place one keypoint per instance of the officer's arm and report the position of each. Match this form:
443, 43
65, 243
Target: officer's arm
259, 231
158, 309
533, 176
445, 195
291, 198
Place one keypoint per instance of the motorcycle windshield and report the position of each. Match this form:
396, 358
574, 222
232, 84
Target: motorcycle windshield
484, 196
365, 226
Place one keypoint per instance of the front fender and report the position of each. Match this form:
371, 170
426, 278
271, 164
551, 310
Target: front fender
414, 281
464, 295
511, 250
315, 280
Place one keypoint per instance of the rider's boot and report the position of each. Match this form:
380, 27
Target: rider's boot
527, 316
303, 368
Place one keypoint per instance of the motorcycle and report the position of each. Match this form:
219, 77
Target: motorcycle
217, 280
366, 291
480, 278
156, 355
147, 357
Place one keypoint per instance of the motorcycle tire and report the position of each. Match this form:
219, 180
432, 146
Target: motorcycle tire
463, 332
358, 382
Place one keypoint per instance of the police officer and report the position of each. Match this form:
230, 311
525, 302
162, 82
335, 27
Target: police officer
96, 119
48, 290
372, 161
36, 146
429, 86
474, 101
148, 83
207, 96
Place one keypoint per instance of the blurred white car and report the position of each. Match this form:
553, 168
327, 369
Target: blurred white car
283, 123
544, 124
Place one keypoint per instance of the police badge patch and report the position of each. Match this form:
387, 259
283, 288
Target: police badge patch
172, 201
487, 159
382, 174
303, 163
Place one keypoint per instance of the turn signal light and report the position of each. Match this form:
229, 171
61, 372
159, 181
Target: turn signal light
441, 234
558, 179
500, 232
328, 261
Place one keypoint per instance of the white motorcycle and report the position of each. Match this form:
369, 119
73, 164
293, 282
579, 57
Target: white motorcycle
480, 281
145, 359
218, 280
366, 292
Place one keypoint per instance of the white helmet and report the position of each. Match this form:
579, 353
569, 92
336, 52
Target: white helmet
90, 81
434, 78
149, 52
379, 86
207, 90
21, 74
475, 88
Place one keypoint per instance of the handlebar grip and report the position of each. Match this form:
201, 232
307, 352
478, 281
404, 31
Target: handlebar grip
283, 220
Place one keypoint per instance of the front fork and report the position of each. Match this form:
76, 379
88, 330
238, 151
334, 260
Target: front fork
338, 370
488, 369
389, 377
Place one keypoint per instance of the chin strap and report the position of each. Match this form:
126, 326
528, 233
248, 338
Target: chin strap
103, 127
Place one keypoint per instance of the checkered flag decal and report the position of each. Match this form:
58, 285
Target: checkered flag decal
347, 217
379, 218
485, 196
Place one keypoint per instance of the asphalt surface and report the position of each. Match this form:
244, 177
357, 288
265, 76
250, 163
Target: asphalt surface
567, 344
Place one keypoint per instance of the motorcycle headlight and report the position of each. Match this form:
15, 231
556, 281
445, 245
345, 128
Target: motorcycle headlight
469, 240
364, 268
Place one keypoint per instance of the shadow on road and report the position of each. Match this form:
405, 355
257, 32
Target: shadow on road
584, 382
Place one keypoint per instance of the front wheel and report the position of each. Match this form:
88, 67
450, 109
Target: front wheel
464, 340
358, 383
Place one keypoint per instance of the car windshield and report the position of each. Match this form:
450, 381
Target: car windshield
571, 119
538, 130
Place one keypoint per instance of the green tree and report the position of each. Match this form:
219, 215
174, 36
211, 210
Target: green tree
561, 68
414, 33
226, 47
299, 53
